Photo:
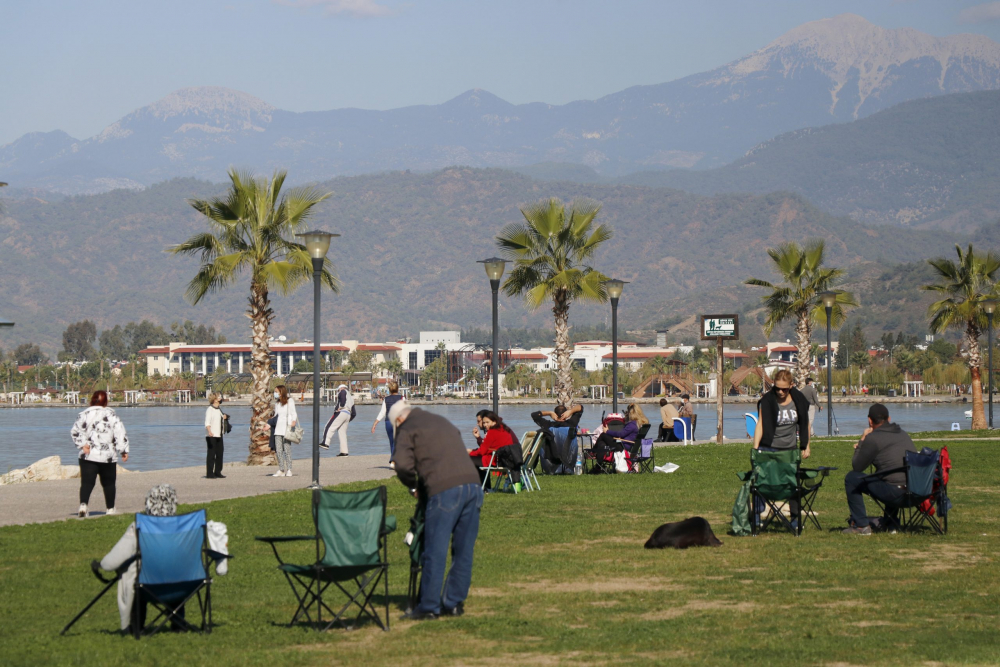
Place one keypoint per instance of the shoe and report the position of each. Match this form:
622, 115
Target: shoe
288, 473
457, 610
83, 513
111, 511
392, 465
855, 530
280, 473
340, 454
419, 616
220, 477
323, 445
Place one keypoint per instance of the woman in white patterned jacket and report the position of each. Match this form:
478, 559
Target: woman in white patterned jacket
100, 436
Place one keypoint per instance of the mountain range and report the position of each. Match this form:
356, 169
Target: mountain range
829, 71
407, 257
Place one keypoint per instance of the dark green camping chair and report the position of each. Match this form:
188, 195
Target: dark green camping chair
351, 554
415, 540
776, 478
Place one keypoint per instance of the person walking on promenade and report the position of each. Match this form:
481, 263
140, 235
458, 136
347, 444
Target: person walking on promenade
687, 410
214, 430
342, 415
812, 396
432, 461
285, 418
100, 437
383, 414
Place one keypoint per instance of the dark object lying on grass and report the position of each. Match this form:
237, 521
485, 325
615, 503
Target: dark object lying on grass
693, 532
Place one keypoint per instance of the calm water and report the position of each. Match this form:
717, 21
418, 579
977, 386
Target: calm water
170, 437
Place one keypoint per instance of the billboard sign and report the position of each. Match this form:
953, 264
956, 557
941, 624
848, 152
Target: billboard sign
714, 327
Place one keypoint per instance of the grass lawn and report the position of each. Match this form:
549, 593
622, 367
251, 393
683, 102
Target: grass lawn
561, 577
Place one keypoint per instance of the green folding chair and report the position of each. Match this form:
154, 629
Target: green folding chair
351, 555
776, 478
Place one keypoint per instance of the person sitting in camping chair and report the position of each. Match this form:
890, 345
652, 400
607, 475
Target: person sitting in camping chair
160, 501
619, 433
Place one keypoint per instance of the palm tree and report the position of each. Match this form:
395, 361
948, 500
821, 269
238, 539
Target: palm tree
550, 250
805, 278
471, 376
250, 232
966, 284
394, 367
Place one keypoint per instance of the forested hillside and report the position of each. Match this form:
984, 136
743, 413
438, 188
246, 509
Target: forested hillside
407, 257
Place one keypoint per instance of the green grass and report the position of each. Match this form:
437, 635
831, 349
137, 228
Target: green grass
561, 576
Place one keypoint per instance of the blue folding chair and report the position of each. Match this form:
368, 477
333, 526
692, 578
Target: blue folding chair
564, 448
682, 429
173, 568
174, 564
751, 420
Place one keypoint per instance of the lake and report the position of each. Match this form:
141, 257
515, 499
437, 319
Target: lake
170, 437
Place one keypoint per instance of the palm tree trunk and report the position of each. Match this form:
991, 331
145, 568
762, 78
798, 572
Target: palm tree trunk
975, 359
564, 365
260, 315
803, 335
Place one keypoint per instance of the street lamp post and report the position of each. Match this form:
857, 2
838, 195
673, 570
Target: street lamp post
614, 288
829, 299
494, 271
317, 244
989, 306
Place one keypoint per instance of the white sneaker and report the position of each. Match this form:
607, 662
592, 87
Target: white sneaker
111, 510
278, 474
83, 513
288, 473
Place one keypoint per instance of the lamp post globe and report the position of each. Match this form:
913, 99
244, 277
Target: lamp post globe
317, 244
614, 288
990, 305
829, 299
494, 271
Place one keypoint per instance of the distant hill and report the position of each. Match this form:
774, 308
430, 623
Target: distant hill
925, 163
829, 71
408, 253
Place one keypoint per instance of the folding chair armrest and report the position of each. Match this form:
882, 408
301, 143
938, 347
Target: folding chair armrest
217, 555
883, 473
289, 538
744, 476
390, 524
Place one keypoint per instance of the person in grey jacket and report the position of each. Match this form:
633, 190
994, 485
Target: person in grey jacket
883, 445
432, 461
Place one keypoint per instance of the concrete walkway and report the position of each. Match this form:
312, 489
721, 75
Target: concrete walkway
42, 502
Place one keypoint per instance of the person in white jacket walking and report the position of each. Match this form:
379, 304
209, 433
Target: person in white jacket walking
160, 501
284, 411
100, 437
341, 419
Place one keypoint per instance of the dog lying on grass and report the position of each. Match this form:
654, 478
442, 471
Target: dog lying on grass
693, 532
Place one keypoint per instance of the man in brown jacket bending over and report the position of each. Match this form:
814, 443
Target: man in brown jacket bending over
432, 460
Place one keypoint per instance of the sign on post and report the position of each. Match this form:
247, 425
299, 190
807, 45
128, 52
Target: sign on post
720, 326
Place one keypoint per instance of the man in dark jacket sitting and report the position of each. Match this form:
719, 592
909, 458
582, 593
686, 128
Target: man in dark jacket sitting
431, 459
883, 445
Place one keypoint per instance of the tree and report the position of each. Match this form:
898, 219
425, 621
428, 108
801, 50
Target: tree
78, 340
862, 360
436, 372
550, 250
805, 278
29, 354
965, 284
250, 232
471, 376
393, 367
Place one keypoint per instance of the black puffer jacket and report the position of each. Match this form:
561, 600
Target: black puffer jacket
767, 408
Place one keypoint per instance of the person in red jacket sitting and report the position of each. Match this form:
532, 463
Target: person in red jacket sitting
498, 435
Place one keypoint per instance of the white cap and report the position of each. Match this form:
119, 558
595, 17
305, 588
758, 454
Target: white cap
341, 386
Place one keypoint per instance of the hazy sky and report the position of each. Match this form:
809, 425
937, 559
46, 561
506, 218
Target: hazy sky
80, 65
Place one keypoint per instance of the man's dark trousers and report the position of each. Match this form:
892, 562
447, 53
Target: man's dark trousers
213, 462
452, 516
857, 484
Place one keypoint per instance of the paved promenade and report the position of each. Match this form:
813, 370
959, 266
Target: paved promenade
41, 502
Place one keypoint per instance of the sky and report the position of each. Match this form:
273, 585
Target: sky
79, 66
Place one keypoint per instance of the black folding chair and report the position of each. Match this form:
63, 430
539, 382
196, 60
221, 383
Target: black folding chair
926, 493
351, 555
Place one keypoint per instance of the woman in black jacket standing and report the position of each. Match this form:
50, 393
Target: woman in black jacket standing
782, 417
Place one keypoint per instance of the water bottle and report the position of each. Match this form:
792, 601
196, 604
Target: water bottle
578, 468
